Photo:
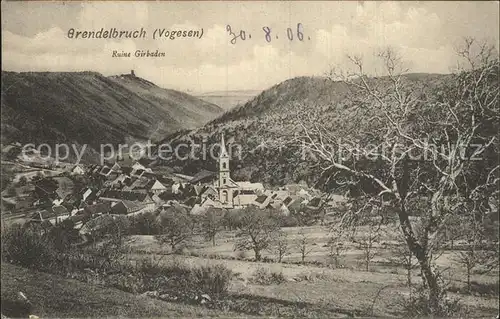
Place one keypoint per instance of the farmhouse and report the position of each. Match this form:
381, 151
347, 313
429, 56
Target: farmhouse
77, 170
54, 215
117, 196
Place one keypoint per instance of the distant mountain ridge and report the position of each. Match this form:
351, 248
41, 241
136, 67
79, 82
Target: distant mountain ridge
229, 99
89, 108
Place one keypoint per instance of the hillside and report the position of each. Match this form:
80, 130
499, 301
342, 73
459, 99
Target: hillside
56, 297
89, 108
266, 127
188, 111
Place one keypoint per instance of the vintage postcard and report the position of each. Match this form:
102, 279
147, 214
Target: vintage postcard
243, 159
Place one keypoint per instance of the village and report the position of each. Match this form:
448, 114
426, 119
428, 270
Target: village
49, 194
281, 160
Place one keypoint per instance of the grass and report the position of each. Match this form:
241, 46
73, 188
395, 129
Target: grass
272, 289
349, 290
56, 297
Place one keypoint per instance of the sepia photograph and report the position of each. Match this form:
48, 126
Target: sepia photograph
250, 159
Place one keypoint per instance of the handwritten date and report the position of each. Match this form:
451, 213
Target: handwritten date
291, 34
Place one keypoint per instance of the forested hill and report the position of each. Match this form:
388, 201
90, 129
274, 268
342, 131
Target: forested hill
89, 108
265, 125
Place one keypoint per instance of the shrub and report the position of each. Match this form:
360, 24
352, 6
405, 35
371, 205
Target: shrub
263, 276
418, 306
213, 279
312, 276
26, 247
289, 221
102, 263
241, 255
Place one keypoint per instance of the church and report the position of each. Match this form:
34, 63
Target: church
233, 194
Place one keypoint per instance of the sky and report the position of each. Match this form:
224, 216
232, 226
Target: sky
425, 34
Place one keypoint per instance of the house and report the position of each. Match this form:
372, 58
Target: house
208, 202
156, 187
46, 188
138, 166
127, 170
279, 206
262, 201
105, 170
88, 196
191, 201
149, 175
53, 215
137, 184
112, 176
244, 198
210, 192
158, 201
94, 169
177, 187
250, 186
126, 207
98, 209
138, 170
79, 219
198, 189
84, 194
138, 173
57, 201
115, 196
65, 184
117, 183
116, 167
76, 211
182, 178
315, 203
77, 170
146, 185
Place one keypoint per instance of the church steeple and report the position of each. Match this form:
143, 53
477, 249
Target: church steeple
225, 191
223, 152
223, 160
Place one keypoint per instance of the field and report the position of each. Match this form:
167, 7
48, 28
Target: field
314, 288
348, 290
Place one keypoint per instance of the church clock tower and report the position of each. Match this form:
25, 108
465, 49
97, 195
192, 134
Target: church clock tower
225, 189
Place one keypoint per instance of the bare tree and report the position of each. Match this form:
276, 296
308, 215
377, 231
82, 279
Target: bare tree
472, 256
303, 243
211, 223
280, 246
415, 144
257, 229
176, 226
402, 256
336, 245
368, 236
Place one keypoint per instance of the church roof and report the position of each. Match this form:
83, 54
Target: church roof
248, 185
